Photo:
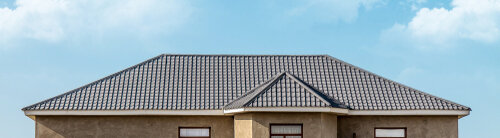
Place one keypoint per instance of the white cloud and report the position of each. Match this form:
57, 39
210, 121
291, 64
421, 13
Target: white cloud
345, 10
56, 20
472, 20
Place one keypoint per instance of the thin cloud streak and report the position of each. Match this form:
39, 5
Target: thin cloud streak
332, 10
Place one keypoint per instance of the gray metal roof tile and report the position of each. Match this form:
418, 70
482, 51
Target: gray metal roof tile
172, 82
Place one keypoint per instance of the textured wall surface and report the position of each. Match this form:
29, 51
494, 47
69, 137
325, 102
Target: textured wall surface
417, 126
329, 126
248, 125
129, 126
315, 125
243, 126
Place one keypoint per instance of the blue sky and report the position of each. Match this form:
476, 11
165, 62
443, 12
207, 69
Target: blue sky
448, 48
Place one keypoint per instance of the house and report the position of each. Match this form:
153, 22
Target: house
246, 96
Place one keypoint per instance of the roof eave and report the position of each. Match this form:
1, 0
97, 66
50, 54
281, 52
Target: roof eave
408, 112
287, 109
225, 112
122, 112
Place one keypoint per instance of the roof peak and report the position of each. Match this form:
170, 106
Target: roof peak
251, 96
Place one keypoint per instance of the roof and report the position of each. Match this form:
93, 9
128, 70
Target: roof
203, 82
284, 90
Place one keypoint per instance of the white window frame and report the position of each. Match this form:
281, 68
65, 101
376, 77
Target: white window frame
209, 132
375, 131
284, 135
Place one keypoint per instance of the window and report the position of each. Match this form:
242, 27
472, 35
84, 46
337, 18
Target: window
390, 132
194, 132
286, 131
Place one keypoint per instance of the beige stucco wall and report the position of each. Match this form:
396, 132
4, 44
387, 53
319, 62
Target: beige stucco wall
243, 126
417, 126
256, 125
128, 126
247, 125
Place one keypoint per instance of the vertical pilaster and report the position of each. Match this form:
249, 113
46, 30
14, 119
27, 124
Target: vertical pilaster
243, 126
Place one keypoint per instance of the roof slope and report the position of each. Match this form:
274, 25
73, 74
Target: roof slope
284, 90
183, 82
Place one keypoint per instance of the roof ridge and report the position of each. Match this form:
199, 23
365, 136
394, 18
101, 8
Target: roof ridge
94, 82
391, 81
249, 55
321, 95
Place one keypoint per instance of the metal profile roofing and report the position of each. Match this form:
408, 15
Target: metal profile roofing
199, 82
284, 90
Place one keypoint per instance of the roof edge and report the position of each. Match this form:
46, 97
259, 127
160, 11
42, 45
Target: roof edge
287, 109
221, 112
99, 80
121, 112
409, 112
392, 81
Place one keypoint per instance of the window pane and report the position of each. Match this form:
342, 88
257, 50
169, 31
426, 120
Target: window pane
194, 132
277, 137
390, 132
286, 129
293, 136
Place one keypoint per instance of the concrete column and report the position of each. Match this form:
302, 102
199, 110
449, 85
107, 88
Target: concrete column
328, 125
243, 126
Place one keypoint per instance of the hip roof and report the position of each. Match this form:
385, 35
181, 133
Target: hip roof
203, 82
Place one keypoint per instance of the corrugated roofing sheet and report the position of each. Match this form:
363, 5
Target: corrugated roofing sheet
174, 82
